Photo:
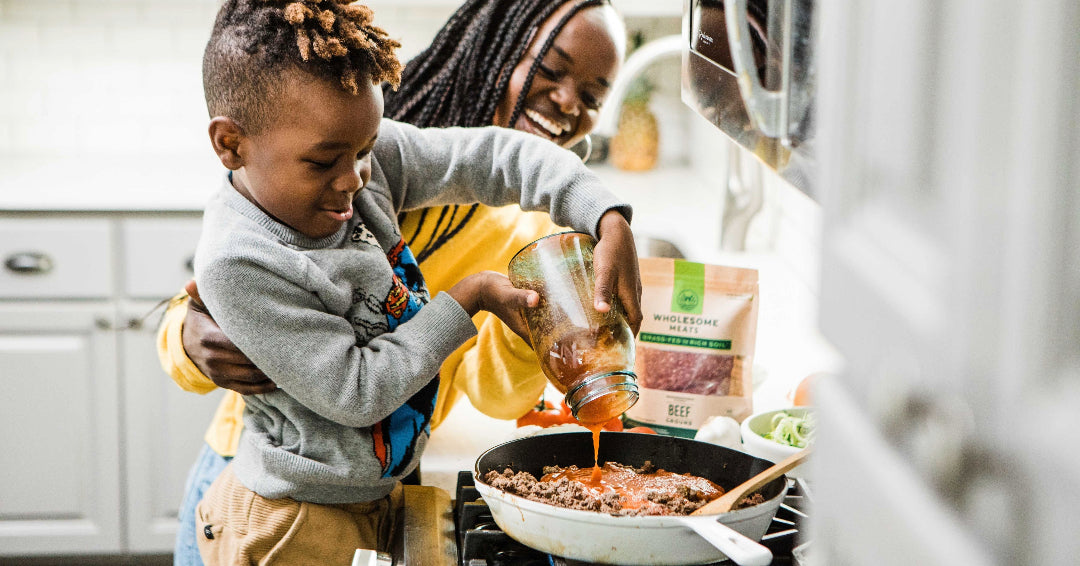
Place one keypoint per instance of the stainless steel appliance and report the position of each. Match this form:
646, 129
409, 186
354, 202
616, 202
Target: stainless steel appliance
749, 68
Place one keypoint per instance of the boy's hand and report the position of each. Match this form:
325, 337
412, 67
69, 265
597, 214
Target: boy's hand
215, 355
491, 291
616, 266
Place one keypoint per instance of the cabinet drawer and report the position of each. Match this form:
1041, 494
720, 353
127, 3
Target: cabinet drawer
55, 258
157, 255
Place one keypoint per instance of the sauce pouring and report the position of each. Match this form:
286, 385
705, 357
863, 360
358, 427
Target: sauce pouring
586, 354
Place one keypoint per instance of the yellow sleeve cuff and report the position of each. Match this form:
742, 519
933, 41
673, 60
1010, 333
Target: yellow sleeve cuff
223, 436
170, 347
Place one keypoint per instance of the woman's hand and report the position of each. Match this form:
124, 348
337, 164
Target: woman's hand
616, 266
215, 355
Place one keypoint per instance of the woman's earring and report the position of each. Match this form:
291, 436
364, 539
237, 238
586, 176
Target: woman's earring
583, 148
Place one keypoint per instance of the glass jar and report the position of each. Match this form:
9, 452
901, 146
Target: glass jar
586, 354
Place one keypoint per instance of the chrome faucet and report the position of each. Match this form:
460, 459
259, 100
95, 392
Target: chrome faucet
608, 120
743, 190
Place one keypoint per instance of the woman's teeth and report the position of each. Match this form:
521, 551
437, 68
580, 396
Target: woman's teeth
552, 128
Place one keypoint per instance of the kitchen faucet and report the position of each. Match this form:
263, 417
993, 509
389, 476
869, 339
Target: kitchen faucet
635, 64
743, 190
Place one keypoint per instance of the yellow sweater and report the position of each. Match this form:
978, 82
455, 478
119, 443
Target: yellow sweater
497, 370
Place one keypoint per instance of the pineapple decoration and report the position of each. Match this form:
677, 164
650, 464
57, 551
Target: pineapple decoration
636, 143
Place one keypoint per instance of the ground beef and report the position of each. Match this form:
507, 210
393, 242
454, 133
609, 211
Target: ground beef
750, 501
563, 493
685, 372
575, 495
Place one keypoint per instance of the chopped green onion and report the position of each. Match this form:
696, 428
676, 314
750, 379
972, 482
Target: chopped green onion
792, 430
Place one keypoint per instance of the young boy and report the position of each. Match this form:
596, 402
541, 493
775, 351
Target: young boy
303, 265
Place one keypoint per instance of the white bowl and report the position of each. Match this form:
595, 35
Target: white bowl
755, 444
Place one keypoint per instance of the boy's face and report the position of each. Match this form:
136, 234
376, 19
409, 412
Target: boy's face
305, 167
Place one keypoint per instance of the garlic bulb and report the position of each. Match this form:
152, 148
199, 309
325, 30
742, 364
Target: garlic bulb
721, 430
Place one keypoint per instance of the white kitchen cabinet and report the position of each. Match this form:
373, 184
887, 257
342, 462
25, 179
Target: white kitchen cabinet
159, 451
59, 418
55, 257
97, 439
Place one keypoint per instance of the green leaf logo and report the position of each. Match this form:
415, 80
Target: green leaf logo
688, 299
689, 287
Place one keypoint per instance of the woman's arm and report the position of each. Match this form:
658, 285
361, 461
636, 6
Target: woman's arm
499, 372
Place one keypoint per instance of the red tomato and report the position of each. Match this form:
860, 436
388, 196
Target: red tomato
544, 415
614, 424
641, 429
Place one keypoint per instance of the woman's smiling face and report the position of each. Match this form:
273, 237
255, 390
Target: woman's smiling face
572, 79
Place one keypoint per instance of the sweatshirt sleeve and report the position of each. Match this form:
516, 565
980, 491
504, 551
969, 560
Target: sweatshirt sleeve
491, 165
170, 347
272, 316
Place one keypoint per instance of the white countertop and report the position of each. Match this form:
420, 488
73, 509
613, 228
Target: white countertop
166, 182
88, 183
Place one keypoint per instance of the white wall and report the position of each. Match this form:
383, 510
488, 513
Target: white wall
115, 76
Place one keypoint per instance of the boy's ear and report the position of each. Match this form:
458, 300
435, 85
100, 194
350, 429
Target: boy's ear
225, 136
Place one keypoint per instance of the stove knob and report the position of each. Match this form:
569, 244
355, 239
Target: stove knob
364, 557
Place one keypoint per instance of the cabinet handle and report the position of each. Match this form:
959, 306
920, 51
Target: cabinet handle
29, 263
103, 323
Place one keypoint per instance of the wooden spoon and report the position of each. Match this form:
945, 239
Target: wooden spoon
725, 502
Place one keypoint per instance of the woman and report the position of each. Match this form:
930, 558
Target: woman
540, 66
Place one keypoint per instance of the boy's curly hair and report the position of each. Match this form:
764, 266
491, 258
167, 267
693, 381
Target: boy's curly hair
254, 42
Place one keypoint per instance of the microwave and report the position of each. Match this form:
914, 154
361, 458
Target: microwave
748, 68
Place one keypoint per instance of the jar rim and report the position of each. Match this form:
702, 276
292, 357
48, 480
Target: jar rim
534, 242
576, 402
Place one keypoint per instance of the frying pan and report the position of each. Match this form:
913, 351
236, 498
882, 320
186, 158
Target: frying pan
607, 539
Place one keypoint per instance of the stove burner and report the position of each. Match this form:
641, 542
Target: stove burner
481, 543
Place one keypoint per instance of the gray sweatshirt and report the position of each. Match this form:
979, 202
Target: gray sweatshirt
337, 322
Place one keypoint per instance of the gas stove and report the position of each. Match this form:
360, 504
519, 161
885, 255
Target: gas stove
480, 542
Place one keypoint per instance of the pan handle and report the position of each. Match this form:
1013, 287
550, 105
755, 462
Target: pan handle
739, 548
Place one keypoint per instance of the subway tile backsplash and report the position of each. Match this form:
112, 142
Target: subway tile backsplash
107, 77
122, 76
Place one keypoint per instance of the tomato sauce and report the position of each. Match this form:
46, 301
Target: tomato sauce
594, 479
582, 352
633, 487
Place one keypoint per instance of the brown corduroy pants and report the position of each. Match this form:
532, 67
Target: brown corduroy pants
238, 526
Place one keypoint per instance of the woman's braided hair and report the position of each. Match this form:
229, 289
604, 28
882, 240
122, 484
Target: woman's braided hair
462, 76
255, 41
